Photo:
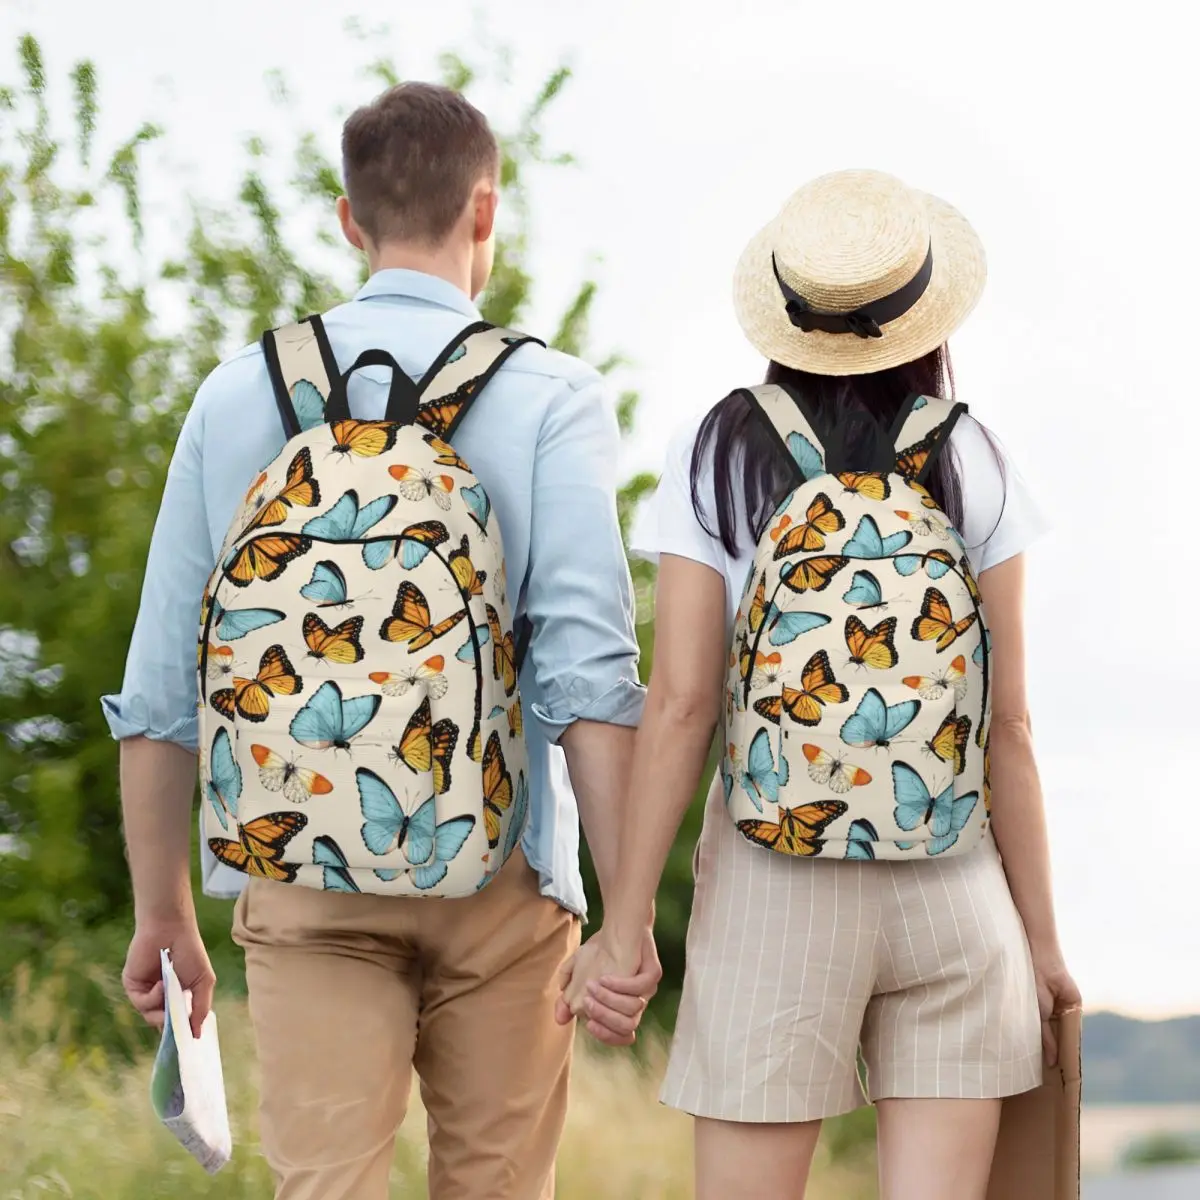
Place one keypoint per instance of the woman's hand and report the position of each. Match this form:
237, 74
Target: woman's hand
609, 987
1056, 992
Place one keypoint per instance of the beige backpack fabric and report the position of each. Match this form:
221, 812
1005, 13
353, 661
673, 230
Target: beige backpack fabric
360, 722
857, 700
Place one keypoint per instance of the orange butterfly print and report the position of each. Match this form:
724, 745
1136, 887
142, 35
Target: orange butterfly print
426, 746
251, 698
279, 774
817, 688
833, 771
950, 742
339, 645
497, 789
798, 830
812, 574
937, 623
820, 519
411, 621
874, 648
265, 556
260, 845
363, 439
300, 490
869, 485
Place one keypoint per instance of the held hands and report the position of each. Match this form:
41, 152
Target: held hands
142, 977
609, 987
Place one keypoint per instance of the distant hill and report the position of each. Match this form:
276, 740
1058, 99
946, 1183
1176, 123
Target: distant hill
1140, 1062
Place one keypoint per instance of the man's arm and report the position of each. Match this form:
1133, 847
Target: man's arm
579, 598
155, 719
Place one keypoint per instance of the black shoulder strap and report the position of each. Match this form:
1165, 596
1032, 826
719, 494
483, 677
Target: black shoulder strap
782, 411
921, 433
303, 372
462, 370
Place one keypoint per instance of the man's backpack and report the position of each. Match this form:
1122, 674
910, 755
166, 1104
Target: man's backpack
857, 703
360, 724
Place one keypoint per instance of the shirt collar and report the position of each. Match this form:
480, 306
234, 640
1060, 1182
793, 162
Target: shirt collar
396, 281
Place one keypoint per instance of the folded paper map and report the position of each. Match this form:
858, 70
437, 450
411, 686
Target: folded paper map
187, 1088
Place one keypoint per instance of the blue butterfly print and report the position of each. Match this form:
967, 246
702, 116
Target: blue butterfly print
874, 724
327, 585
336, 874
520, 810
984, 647
864, 591
910, 564
456, 353
387, 827
328, 721
808, 458
867, 542
309, 404
726, 781
235, 623
479, 504
224, 779
429, 846
946, 814
919, 403
375, 554
860, 841
786, 627
760, 779
466, 652
346, 522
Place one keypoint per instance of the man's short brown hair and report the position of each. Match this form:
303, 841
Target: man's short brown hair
410, 159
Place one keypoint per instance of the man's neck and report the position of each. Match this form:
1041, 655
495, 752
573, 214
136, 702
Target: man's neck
448, 263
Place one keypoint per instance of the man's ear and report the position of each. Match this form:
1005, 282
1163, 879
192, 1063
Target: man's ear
486, 200
350, 229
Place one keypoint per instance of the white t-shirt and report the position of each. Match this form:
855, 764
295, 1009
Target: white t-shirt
1000, 518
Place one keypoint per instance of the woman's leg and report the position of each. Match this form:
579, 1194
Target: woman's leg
753, 1161
936, 1149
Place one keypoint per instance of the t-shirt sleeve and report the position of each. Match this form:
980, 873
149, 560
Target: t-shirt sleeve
666, 522
1001, 519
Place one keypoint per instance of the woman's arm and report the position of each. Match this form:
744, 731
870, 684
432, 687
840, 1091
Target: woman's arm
1018, 812
683, 705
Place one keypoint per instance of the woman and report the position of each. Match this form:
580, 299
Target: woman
935, 956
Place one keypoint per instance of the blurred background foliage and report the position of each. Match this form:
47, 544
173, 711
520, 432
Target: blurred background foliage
102, 346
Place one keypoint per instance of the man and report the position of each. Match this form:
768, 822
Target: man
348, 993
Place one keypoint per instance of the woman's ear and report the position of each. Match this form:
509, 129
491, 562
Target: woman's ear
350, 229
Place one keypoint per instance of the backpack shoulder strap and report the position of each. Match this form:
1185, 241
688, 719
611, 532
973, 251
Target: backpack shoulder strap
921, 432
302, 368
784, 413
462, 370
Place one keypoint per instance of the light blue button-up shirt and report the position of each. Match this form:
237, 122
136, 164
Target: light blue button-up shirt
543, 440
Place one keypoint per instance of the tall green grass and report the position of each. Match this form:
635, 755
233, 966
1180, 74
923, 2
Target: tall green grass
75, 1120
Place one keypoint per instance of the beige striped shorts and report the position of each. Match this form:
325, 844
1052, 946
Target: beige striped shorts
795, 965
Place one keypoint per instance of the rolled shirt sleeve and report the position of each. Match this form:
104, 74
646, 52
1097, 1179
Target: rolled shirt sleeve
159, 693
579, 596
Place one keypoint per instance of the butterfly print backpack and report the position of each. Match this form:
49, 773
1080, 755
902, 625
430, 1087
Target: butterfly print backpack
360, 723
857, 699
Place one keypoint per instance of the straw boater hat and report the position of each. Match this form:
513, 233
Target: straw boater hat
857, 273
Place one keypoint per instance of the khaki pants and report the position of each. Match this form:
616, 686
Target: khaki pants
349, 992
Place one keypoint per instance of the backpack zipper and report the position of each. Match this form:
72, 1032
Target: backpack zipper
983, 633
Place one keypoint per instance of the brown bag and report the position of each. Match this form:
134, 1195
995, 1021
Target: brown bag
1037, 1152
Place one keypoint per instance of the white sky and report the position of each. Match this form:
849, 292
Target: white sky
1066, 136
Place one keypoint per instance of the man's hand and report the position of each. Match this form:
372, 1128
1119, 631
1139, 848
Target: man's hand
609, 989
142, 977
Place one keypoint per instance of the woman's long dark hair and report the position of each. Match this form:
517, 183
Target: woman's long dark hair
861, 408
